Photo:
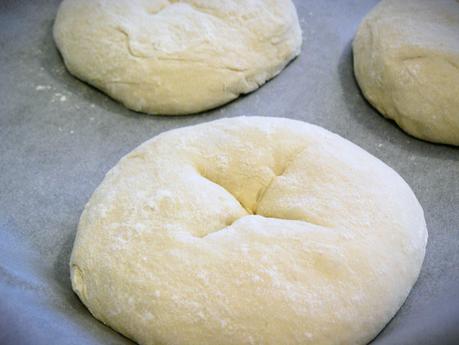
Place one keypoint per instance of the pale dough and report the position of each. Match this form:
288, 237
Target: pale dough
249, 230
176, 57
406, 60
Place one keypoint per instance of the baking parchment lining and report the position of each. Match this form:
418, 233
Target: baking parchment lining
58, 137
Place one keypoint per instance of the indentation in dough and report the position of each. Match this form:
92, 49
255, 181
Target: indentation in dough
289, 161
232, 195
78, 281
158, 7
137, 155
128, 45
260, 194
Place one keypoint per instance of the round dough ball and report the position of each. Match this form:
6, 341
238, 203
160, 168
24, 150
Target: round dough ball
176, 57
248, 231
406, 60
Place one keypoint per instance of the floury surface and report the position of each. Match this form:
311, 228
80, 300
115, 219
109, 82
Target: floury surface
59, 136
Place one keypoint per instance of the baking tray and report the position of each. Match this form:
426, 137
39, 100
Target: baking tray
59, 136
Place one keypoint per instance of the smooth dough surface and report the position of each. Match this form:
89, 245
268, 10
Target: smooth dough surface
176, 57
406, 60
249, 230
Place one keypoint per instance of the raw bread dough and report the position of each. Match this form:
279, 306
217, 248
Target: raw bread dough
249, 231
176, 57
406, 60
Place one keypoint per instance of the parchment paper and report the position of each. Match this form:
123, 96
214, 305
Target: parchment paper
58, 137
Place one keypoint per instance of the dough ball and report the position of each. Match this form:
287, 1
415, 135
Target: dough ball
176, 57
406, 60
249, 231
